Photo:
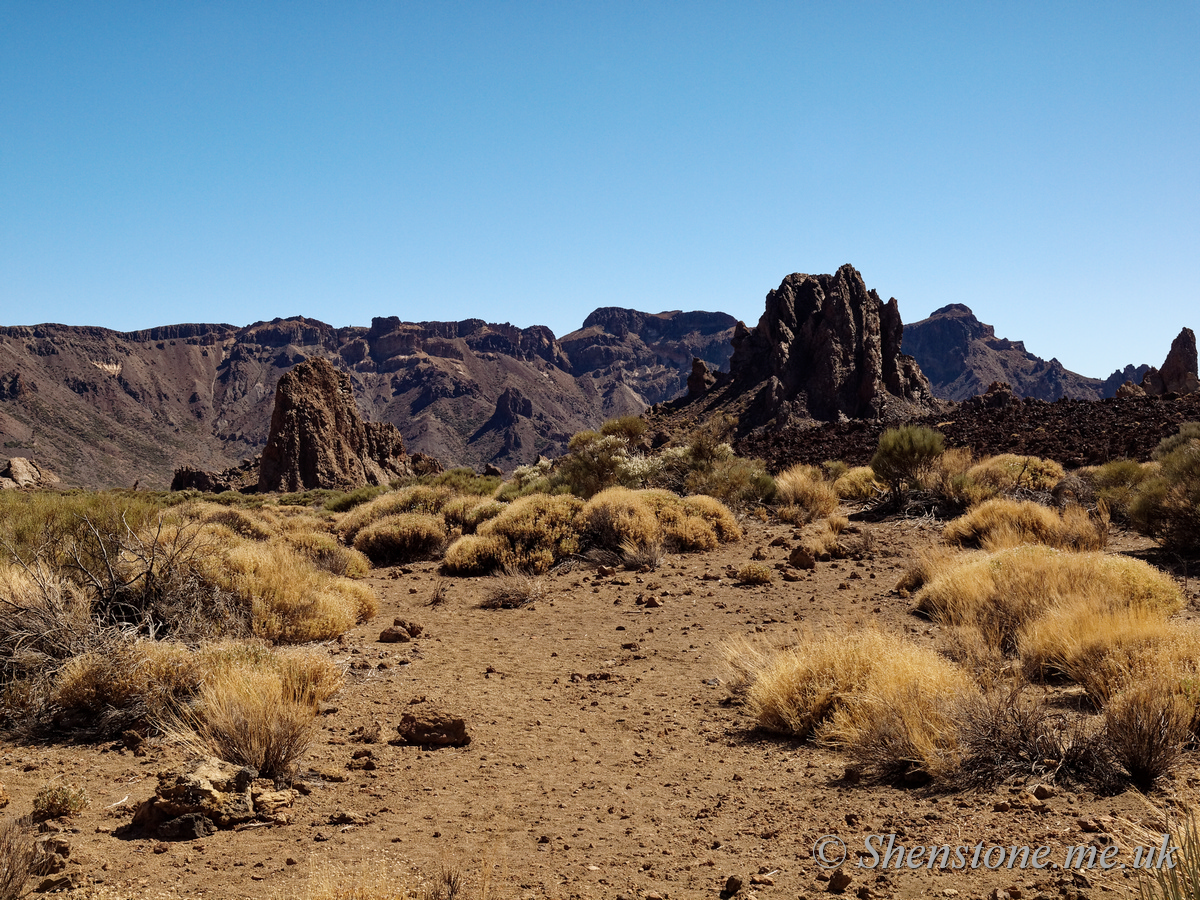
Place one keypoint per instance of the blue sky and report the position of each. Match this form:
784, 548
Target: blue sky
528, 162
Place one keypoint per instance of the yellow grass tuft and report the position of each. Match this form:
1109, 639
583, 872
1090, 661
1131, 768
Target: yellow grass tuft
537, 530
860, 484
474, 554
1001, 523
1008, 472
805, 493
416, 499
754, 573
867, 692
1003, 594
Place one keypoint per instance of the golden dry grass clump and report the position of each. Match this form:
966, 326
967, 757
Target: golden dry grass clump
825, 541
617, 516
1059, 611
1008, 472
255, 707
530, 534
620, 517
999, 523
754, 573
401, 538
416, 499
470, 511
290, 599
804, 494
859, 483
891, 702
327, 553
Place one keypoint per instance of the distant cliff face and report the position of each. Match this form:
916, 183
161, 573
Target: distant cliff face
107, 408
962, 357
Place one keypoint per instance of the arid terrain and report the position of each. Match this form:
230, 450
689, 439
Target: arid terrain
608, 755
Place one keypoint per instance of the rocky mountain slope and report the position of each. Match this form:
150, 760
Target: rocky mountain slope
107, 408
962, 356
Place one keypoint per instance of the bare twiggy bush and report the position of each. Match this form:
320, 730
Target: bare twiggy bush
1146, 726
513, 589
1011, 732
1001, 523
17, 855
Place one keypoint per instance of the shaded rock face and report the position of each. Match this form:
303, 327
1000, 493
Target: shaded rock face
1112, 385
827, 347
962, 356
1178, 372
318, 439
700, 380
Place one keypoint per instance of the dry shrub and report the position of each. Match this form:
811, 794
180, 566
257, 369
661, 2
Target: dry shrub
1000, 523
474, 554
469, 512
1011, 732
324, 551
1116, 483
754, 573
249, 717
1146, 726
401, 538
930, 562
243, 523
859, 484
1010, 472
1166, 505
17, 854
617, 516
416, 499
806, 493
129, 681
732, 480
887, 700
1093, 647
537, 530
825, 541
291, 600
716, 514
641, 556
513, 589
1001, 593
54, 801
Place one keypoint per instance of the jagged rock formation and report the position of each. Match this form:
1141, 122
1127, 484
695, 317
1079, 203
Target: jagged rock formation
319, 440
962, 356
1178, 373
1111, 386
106, 408
827, 347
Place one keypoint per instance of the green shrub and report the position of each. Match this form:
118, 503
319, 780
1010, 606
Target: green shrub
1166, 506
347, 501
464, 480
733, 480
906, 454
629, 427
1116, 483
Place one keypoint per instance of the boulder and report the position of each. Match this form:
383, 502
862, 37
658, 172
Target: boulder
24, 473
431, 727
1129, 389
318, 439
826, 347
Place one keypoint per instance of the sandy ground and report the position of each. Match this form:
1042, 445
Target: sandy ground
608, 757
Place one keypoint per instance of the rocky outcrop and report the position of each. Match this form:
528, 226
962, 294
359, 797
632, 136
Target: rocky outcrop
318, 439
962, 356
1112, 385
207, 795
24, 473
242, 478
827, 347
700, 380
1178, 372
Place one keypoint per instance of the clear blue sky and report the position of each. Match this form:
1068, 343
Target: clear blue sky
528, 162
